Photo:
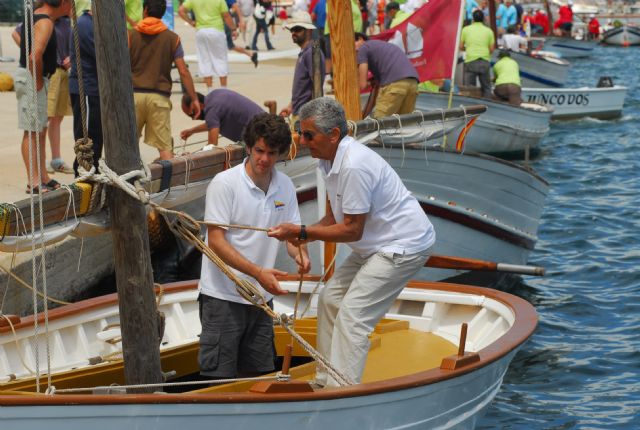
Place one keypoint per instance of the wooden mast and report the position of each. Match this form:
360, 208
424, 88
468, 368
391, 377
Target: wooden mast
345, 76
134, 277
492, 19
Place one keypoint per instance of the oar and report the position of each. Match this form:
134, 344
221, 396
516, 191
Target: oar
447, 262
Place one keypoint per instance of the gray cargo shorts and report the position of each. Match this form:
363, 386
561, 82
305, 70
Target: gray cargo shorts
236, 339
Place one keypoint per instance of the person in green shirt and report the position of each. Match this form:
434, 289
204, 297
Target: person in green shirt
507, 77
133, 12
478, 42
211, 41
396, 15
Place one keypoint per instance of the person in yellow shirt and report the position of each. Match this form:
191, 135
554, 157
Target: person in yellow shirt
507, 78
211, 41
478, 42
396, 14
133, 12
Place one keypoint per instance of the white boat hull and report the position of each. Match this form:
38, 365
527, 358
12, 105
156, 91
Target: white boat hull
455, 403
568, 47
603, 103
503, 128
623, 36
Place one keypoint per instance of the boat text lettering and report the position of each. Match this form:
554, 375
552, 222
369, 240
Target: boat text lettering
559, 99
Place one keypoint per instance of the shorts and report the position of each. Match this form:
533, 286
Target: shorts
153, 113
397, 97
58, 100
211, 47
236, 339
30, 118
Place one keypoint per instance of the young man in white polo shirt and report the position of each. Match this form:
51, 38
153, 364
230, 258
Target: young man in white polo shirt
237, 337
374, 213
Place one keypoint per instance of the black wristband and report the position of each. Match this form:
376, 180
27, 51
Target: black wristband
303, 233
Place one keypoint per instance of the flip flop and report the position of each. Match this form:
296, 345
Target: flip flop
52, 185
38, 189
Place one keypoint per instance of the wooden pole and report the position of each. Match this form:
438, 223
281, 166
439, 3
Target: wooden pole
343, 56
492, 19
134, 277
316, 61
345, 75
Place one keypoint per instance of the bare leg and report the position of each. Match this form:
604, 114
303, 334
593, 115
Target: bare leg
54, 136
44, 176
223, 81
208, 81
33, 139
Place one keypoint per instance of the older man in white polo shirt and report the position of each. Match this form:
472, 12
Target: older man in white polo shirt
374, 213
237, 337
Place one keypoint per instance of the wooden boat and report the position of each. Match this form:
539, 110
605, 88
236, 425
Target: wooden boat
413, 377
481, 207
504, 129
622, 36
571, 103
564, 47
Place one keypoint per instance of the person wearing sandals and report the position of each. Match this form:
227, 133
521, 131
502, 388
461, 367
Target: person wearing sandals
33, 118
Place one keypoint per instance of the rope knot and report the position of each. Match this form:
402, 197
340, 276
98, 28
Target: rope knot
84, 152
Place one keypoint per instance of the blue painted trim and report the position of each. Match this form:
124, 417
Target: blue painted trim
539, 79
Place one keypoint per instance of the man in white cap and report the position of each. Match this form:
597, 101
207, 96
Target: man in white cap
301, 29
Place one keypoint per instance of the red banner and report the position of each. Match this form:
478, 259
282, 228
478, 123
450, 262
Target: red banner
428, 37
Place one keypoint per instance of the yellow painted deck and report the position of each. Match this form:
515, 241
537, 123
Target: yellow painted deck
396, 350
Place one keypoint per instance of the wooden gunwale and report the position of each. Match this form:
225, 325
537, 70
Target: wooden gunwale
524, 325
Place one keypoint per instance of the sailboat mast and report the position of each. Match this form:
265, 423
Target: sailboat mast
134, 277
345, 77
454, 61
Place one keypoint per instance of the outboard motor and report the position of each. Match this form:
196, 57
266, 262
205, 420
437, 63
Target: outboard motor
605, 82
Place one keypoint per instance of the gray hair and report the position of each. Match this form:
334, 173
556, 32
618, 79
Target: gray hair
327, 114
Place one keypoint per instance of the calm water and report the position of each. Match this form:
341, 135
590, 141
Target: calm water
581, 368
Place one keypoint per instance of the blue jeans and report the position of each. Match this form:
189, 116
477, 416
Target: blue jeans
261, 26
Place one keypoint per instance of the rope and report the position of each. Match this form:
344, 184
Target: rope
83, 146
189, 229
26, 285
401, 138
295, 307
185, 226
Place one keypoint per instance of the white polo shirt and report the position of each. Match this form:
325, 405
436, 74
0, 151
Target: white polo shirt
360, 181
233, 198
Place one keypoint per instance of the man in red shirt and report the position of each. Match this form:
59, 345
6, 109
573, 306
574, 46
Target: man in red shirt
594, 28
564, 24
542, 20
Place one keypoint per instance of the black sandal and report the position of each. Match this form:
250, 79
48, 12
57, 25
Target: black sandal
52, 185
37, 189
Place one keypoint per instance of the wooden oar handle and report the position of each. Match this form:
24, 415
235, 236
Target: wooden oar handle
459, 263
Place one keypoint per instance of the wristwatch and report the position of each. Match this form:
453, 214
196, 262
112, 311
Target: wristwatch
303, 233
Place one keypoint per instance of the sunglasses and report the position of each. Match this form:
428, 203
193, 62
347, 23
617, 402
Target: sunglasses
297, 29
307, 135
